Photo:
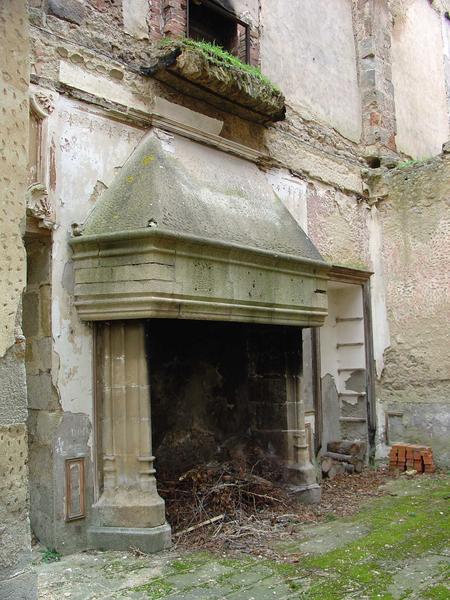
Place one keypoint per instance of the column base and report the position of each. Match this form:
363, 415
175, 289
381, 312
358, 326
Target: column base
301, 474
302, 483
129, 508
307, 494
145, 539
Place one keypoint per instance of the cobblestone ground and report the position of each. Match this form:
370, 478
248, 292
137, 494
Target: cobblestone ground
397, 547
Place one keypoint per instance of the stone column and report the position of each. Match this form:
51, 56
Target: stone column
130, 511
301, 472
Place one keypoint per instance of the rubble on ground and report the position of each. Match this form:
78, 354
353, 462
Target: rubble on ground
243, 506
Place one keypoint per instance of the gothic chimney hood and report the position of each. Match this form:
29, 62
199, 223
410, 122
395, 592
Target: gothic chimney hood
187, 231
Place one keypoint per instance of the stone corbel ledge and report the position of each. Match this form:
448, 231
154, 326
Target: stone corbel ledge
204, 74
374, 185
39, 207
42, 104
162, 274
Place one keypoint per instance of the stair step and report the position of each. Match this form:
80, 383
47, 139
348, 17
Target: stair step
353, 419
343, 370
351, 394
349, 344
348, 319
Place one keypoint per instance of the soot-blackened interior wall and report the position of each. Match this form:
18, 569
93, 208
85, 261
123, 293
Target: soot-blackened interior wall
215, 385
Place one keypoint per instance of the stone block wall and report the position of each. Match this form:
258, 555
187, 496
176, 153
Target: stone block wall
16, 579
53, 436
372, 22
44, 411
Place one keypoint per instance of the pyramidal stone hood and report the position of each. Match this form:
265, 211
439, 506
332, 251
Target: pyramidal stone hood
187, 231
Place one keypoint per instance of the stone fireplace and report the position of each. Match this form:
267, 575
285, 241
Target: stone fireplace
200, 282
215, 385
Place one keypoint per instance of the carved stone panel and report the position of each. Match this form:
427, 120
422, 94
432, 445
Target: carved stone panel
75, 489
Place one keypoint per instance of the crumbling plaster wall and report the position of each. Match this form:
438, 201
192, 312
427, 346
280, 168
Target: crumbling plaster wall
16, 579
418, 75
414, 386
85, 151
308, 49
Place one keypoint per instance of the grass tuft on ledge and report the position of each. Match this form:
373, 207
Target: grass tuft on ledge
220, 56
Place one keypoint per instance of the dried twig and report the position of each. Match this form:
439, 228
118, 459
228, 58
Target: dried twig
199, 525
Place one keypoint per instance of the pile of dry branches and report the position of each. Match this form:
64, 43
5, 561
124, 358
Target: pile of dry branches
216, 494
241, 504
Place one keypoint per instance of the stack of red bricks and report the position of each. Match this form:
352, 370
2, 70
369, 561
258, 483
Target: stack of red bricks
412, 456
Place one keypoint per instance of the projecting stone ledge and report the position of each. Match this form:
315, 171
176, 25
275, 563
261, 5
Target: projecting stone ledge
228, 86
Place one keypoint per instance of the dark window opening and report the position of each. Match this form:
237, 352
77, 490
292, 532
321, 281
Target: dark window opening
212, 21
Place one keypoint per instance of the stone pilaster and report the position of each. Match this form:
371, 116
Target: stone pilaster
373, 29
130, 511
301, 472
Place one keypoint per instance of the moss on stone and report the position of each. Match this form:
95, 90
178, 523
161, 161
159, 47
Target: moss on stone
158, 588
400, 528
220, 56
399, 553
209, 72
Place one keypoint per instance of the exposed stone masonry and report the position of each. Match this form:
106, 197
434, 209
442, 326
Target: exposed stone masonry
373, 30
17, 582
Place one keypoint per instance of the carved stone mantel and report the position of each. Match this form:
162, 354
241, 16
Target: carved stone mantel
189, 232
165, 275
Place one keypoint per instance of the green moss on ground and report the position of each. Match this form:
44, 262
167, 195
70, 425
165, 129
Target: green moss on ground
438, 592
408, 532
156, 589
401, 528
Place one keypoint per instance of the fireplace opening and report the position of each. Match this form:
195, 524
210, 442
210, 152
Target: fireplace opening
222, 406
